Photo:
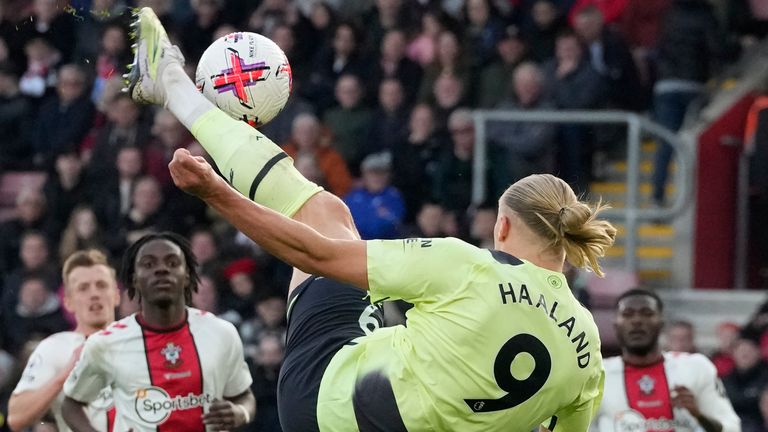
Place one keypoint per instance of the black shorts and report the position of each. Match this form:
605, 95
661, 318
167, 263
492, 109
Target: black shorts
324, 315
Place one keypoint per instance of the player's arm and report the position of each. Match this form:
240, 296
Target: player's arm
75, 417
295, 243
28, 402
709, 404
231, 413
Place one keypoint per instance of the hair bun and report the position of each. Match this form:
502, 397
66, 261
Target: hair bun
573, 217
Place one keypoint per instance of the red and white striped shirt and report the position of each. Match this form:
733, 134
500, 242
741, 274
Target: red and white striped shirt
162, 379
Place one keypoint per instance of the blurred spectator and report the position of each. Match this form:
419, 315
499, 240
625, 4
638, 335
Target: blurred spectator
122, 129
82, 232
385, 16
37, 313
688, 52
449, 60
747, 20
452, 186
493, 83
349, 121
49, 22
65, 188
265, 370
127, 306
206, 297
29, 215
279, 128
484, 29
205, 246
679, 336
745, 383
523, 148
34, 258
481, 227
727, 334
449, 93
145, 215
306, 164
612, 10
320, 29
112, 195
611, 58
377, 207
169, 135
342, 57
415, 159
544, 27
40, 75
428, 221
64, 119
641, 26
423, 47
93, 21
272, 13
239, 298
285, 38
573, 84
390, 120
306, 138
393, 64
15, 115
111, 58
269, 319
198, 31
764, 409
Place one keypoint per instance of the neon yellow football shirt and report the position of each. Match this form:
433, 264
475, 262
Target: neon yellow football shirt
493, 343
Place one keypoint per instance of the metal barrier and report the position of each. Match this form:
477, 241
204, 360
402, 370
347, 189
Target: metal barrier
636, 124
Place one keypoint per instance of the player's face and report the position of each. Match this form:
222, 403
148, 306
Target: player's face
638, 324
161, 274
91, 295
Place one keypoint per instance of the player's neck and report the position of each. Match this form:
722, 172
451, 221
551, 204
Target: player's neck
87, 330
163, 317
639, 360
533, 253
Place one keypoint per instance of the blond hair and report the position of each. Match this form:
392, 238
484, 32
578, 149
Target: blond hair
84, 258
550, 208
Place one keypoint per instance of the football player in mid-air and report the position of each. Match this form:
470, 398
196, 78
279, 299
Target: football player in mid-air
495, 341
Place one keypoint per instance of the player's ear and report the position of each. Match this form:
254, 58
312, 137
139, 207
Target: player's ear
503, 225
67, 302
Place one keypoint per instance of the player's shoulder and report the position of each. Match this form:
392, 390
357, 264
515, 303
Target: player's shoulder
613, 364
202, 319
689, 360
114, 332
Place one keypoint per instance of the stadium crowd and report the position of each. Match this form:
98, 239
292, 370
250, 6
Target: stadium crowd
380, 115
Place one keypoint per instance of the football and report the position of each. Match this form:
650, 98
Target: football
246, 75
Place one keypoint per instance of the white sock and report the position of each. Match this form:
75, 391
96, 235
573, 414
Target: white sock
182, 97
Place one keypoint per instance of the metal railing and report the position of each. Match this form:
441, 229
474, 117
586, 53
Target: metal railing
631, 214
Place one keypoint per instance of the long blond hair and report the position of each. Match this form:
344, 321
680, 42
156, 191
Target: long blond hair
550, 208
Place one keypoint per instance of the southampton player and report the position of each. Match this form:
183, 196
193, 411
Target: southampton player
91, 295
170, 367
648, 390
456, 366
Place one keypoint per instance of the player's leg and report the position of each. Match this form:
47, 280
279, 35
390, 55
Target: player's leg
252, 163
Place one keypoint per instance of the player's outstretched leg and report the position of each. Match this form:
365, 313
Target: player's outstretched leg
250, 161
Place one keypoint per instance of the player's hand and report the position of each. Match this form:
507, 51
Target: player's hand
224, 415
192, 174
682, 397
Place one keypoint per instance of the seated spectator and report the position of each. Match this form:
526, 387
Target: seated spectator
747, 380
205, 246
573, 84
83, 232
241, 276
523, 148
449, 60
612, 10
146, 215
169, 135
64, 119
481, 227
122, 129
679, 336
100, 15
543, 29
484, 29
308, 166
111, 58
449, 94
343, 57
34, 258
306, 138
415, 159
265, 369
269, 319
40, 75
727, 334
393, 64
208, 298
37, 312
64, 189
423, 47
387, 15
112, 195
377, 207
30, 214
15, 115
350, 121
493, 83
279, 128
198, 30
48, 21
452, 186
390, 119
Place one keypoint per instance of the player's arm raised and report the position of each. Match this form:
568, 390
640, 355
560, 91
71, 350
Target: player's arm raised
294, 242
